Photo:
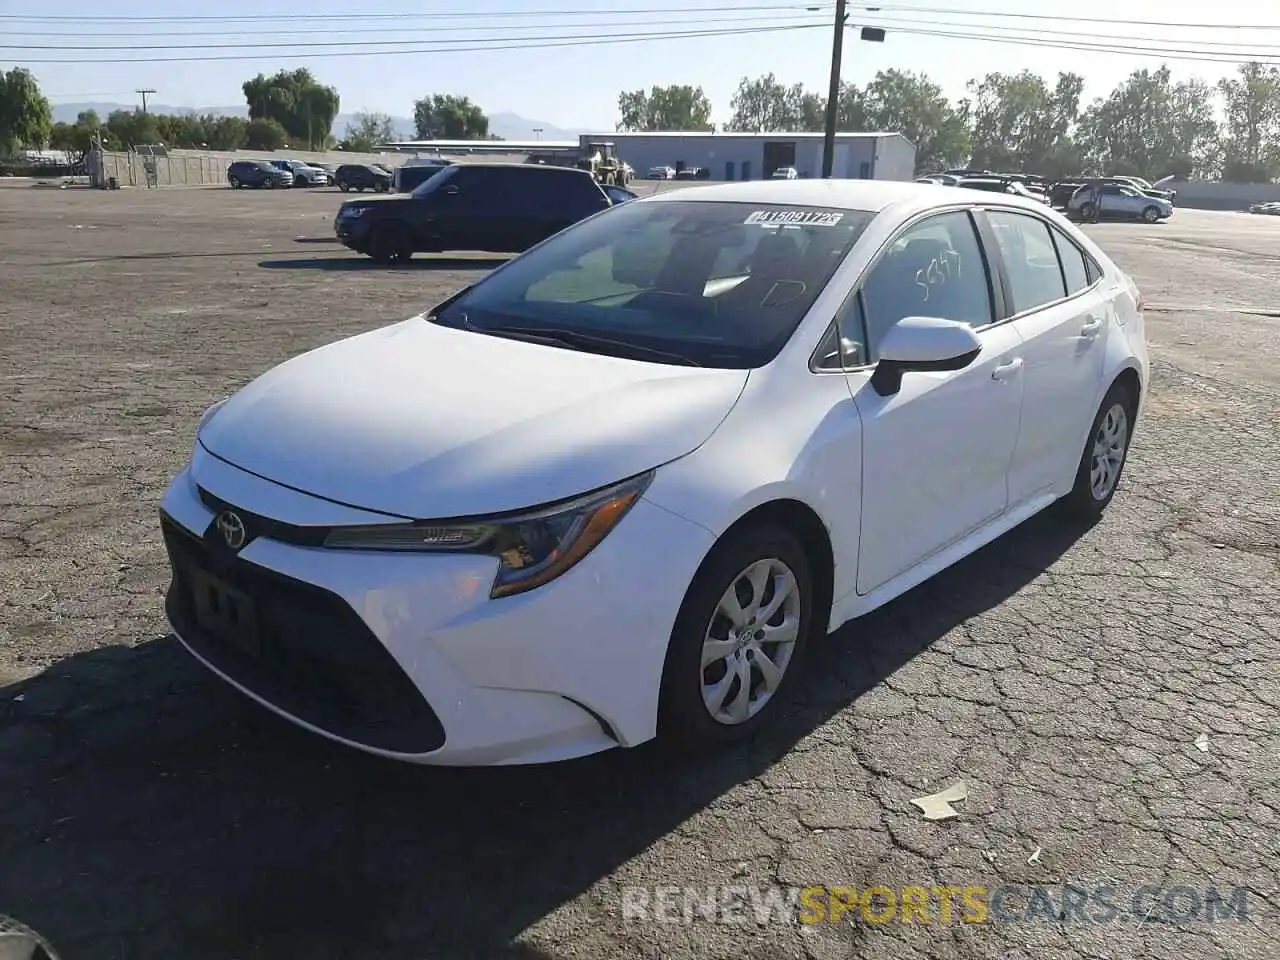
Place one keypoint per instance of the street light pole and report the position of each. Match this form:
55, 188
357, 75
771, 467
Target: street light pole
833, 92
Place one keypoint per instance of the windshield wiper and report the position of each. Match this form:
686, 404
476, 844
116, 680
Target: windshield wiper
576, 340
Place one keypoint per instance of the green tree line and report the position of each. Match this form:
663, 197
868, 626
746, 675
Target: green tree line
1149, 125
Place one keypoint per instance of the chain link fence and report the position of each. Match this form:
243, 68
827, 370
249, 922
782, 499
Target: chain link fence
157, 166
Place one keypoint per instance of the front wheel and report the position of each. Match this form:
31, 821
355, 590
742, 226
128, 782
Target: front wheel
738, 640
1104, 456
390, 244
1151, 214
235, 182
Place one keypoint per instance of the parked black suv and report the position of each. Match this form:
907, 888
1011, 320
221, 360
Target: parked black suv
361, 177
257, 173
495, 207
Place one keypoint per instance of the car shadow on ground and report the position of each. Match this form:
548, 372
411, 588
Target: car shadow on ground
152, 811
364, 263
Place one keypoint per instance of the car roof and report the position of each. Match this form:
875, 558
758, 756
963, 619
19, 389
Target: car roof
870, 196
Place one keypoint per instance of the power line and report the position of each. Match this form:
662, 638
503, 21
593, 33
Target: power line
1163, 53
1112, 21
347, 31
415, 41
1038, 36
435, 15
793, 8
545, 43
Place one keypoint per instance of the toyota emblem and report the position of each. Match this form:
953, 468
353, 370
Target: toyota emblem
232, 529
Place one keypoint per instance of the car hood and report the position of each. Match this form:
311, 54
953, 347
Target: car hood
424, 421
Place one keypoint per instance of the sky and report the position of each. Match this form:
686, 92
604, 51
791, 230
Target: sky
577, 86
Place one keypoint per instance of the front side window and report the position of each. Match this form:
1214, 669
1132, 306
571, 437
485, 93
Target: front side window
1030, 259
712, 284
934, 269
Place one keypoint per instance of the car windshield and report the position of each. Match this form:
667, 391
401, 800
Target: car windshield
712, 284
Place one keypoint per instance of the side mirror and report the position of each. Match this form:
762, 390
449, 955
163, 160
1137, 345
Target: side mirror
923, 344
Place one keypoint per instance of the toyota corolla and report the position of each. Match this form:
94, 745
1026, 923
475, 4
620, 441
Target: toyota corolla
617, 487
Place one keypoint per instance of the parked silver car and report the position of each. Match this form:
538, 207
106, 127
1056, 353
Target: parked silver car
1117, 202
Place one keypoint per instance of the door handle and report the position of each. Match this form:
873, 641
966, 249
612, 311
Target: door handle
1007, 370
1091, 327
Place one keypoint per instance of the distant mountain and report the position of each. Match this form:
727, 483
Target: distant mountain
507, 125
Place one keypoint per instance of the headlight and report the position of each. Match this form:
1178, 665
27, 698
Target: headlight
533, 548
347, 213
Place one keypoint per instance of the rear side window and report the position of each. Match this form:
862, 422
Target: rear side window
1074, 269
573, 194
1030, 259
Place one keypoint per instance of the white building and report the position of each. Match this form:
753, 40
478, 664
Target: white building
754, 156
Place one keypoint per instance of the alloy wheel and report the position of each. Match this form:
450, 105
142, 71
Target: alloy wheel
750, 641
1110, 445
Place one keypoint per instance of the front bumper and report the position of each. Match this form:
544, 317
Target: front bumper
405, 655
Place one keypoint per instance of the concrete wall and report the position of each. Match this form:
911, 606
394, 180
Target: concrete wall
1211, 195
193, 168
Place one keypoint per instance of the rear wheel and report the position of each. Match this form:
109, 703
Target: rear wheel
380, 187
235, 182
391, 244
1104, 455
738, 640
344, 187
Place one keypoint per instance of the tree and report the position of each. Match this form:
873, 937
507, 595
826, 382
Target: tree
1151, 127
443, 116
129, 128
1252, 129
664, 108
1018, 124
367, 130
26, 118
265, 134
766, 105
295, 100
225, 133
913, 105
76, 138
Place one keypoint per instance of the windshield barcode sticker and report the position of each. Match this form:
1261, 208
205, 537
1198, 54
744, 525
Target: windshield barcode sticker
797, 218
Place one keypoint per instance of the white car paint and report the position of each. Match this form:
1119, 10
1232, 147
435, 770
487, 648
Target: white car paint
416, 420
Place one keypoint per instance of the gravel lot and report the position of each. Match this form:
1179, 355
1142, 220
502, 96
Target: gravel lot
147, 811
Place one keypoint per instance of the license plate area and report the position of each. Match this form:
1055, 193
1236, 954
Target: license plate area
226, 613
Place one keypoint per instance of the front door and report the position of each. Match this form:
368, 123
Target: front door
1061, 313
936, 453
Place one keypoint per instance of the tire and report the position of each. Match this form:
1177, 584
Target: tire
686, 722
344, 187
235, 182
1086, 211
380, 187
1150, 214
390, 244
1110, 434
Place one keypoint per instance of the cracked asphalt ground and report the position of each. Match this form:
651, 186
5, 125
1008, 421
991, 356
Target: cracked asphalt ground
1065, 676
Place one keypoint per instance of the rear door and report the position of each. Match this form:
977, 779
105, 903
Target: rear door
1056, 303
454, 211
562, 198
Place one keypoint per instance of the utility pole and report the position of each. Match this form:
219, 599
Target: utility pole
144, 93
833, 91
872, 34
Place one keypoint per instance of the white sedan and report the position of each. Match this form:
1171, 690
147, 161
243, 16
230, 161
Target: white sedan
613, 490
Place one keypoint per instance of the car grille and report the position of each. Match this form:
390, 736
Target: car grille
310, 654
